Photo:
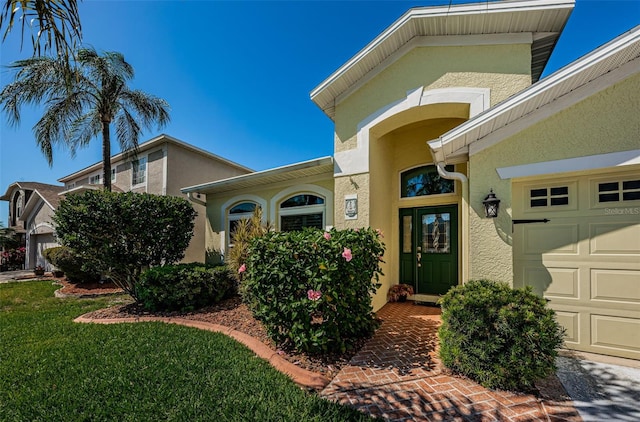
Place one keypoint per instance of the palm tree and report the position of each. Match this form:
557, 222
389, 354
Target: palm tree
83, 104
56, 24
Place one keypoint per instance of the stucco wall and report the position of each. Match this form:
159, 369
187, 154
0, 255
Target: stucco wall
605, 122
432, 68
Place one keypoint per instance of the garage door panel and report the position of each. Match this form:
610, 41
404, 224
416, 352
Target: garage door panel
564, 283
616, 333
571, 323
550, 239
615, 285
615, 238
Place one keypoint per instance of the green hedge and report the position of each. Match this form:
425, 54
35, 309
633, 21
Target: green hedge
66, 260
184, 287
501, 337
312, 289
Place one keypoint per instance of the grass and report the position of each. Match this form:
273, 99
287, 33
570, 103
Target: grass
56, 370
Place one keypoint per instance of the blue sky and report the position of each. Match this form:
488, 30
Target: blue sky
237, 75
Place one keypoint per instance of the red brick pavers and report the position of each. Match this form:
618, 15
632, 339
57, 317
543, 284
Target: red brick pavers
398, 376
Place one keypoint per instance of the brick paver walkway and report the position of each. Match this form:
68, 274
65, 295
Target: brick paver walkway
398, 376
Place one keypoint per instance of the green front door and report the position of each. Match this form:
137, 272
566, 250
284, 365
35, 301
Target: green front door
429, 248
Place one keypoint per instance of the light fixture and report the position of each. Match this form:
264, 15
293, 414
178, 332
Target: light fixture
491, 205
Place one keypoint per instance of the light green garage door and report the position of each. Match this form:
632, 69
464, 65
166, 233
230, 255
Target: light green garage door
586, 259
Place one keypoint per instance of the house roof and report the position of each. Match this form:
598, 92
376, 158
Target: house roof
46, 191
290, 172
544, 19
160, 139
597, 70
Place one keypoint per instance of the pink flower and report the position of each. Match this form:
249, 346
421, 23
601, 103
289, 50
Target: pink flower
314, 294
379, 233
346, 254
327, 235
242, 269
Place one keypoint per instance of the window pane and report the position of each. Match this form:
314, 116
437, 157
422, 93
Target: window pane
302, 201
539, 202
424, 181
607, 187
407, 226
298, 222
436, 232
631, 184
538, 192
608, 197
245, 207
563, 200
564, 190
139, 171
631, 196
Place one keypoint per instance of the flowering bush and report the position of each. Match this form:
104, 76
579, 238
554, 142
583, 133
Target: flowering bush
312, 289
398, 291
13, 259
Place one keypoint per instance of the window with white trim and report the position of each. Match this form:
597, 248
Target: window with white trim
549, 196
620, 190
95, 179
302, 210
113, 174
237, 213
139, 174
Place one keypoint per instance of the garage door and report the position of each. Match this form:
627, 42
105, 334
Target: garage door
41, 242
586, 259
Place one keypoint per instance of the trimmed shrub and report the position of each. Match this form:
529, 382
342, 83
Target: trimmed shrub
120, 234
70, 263
498, 336
184, 287
312, 289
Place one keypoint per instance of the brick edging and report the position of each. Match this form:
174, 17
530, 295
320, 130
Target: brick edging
300, 376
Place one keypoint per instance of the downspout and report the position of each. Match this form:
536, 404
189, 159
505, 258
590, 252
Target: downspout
195, 200
464, 204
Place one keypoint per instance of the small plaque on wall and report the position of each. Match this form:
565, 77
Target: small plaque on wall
351, 207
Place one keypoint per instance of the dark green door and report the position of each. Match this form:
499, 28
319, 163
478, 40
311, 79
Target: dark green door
429, 248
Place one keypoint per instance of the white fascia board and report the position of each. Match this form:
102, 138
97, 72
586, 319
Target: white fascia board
591, 162
259, 174
481, 9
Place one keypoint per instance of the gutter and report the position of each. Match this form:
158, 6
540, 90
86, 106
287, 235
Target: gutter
195, 200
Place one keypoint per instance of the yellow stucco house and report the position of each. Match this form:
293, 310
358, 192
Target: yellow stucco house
446, 107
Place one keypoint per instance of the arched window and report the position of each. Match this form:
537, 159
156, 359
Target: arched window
302, 210
425, 180
241, 211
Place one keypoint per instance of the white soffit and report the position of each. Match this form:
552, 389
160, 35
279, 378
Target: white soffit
591, 162
544, 19
290, 172
608, 64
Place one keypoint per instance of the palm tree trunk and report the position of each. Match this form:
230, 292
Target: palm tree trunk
106, 155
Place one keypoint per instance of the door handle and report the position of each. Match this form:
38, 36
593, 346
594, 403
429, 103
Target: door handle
419, 258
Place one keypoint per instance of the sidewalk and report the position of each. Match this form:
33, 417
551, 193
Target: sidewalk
398, 376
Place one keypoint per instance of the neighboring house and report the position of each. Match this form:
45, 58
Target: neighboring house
31, 206
162, 166
442, 107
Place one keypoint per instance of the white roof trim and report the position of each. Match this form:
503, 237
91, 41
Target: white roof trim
618, 58
160, 139
591, 162
32, 203
256, 176
544, 19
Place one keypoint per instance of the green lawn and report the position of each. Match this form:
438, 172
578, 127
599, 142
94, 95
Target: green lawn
52, 369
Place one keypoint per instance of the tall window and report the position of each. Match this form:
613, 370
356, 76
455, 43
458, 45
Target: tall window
302, 211
238, 212
95, 179
425, 180
139, 171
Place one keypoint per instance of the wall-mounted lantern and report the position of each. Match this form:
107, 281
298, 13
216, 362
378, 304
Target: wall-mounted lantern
491, 205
